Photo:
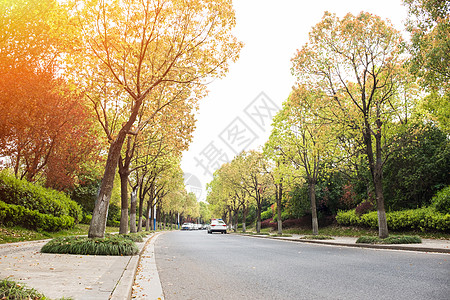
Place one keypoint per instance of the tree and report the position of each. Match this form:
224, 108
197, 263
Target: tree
43, 117
429, 25
132, 50
255, 180
304, 139
357, 61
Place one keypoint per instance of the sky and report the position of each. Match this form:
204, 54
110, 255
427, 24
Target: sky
236, 115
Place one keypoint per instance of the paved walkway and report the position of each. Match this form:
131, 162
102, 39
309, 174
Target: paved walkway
84, 277
89, 277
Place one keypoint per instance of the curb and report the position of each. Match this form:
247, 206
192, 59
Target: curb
371, 246
124, 286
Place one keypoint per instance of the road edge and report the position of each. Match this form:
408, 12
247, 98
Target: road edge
359, 245
124, 286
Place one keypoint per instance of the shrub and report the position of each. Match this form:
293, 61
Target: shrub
266, 214
137, 237
412, 219
12, 290
364, 207
110, 245
304, 222
11, 215
86, 219
389, 240
317, 237
441, 201
34, 197
269, 223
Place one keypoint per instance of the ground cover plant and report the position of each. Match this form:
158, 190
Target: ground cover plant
389, 240
21, 234
317, 237
117, 245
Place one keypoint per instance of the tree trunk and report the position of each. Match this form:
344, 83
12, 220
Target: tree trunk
258, 220
383, 231
133, 212
124, 202
152, 216
245, 211
376, 170
279, 193
147, 214
141, 211
100, 213
236, 212
312, 197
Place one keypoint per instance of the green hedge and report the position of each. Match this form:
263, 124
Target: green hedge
34, 197
441, 201
12, 215
416, 219
110, 245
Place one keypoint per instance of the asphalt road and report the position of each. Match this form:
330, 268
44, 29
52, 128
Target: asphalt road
197, 265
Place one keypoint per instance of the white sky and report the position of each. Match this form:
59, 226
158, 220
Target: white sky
271, 30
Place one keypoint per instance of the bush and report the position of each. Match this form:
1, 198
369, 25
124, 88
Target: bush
266, 214
11, 215
441, 201
12, 290
364, 207
87, 218
37, 198
389, 240
412, 219
269, 223
110, 245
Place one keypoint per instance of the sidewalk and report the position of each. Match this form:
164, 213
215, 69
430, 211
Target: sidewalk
427, 245
87, 277
84, 277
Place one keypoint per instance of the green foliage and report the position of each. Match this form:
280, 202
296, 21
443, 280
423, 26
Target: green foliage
416, 219
86, 219
137, 237
12, 290
298, 202
441, 201
418, 168
267, 214
110, 245
37, 198
284, 216
85, 193
316, 237
113, 215
389, 240
11, 215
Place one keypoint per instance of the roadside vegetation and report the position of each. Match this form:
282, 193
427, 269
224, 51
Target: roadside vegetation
12, 290
353, 151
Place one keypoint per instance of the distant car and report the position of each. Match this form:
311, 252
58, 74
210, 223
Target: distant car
187, 226
217, 225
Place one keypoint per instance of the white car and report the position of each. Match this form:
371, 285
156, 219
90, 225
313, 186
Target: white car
217, 225
187, 226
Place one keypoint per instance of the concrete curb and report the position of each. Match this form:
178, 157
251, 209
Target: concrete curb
124, 286
371, 246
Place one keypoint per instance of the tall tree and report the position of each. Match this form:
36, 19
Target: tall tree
255, 180
357, 61
46, 130
132, 49
429, 25
304, 139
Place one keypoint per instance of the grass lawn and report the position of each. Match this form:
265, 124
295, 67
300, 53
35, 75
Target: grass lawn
19, 234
